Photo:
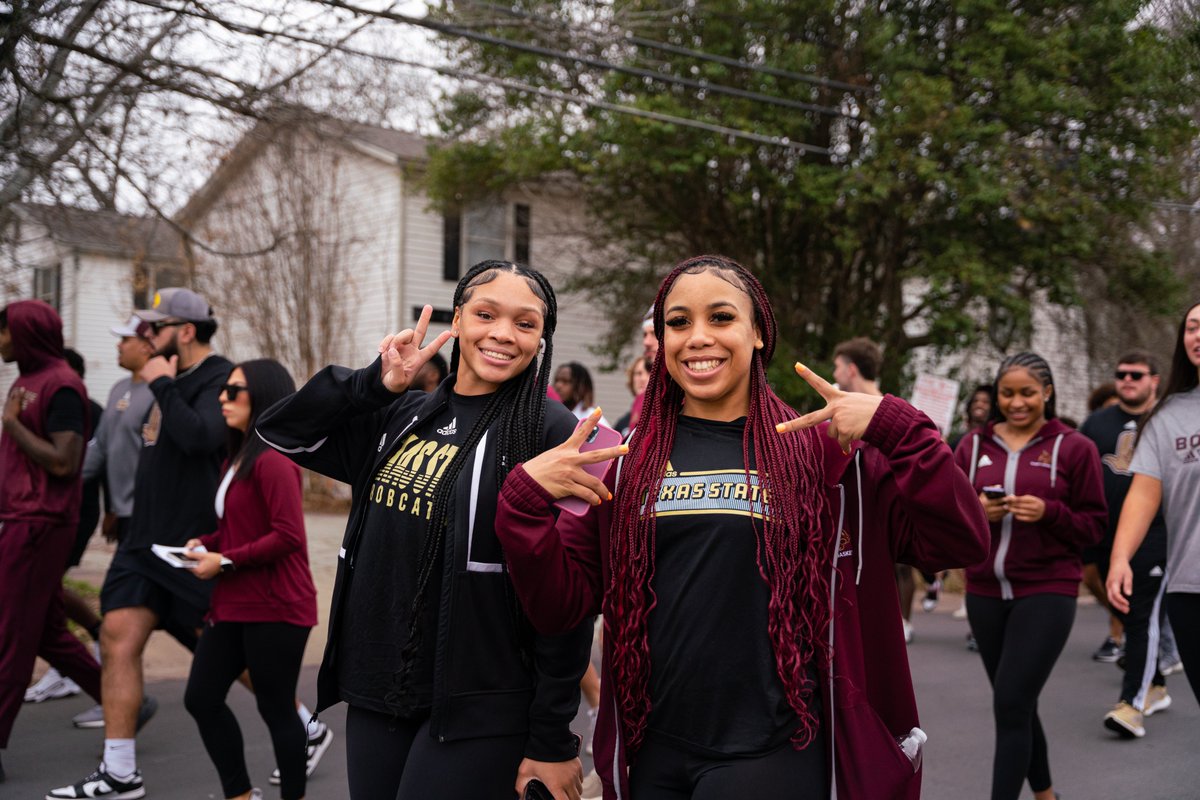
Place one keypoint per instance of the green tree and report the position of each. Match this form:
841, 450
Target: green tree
973, 156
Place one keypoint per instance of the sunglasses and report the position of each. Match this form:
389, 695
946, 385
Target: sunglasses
1130, 374
148, 329
232, 390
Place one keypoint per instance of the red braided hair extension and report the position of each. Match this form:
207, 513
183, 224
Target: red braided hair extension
793, 546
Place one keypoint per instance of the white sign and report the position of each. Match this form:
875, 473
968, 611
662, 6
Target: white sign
938, 398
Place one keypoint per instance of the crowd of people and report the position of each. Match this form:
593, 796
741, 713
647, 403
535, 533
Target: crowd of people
490, 540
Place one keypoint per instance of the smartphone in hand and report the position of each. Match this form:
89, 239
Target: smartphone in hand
600, 438
995, 492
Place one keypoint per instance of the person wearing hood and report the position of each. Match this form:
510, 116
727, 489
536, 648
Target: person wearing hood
45, 425
1041, 487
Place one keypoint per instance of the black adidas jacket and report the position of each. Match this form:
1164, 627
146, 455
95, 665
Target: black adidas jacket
344, 424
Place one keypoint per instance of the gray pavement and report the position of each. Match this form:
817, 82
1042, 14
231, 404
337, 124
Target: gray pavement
952, 693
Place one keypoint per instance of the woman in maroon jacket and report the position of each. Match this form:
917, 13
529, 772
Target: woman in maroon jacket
1040, 484
264, 604
721, 677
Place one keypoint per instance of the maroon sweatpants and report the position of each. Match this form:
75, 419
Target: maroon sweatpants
33, 622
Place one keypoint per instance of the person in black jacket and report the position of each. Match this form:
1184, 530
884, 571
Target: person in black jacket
451, 694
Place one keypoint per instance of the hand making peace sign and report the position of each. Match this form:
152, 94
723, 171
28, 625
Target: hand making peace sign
849, 413
404, 354
560, 470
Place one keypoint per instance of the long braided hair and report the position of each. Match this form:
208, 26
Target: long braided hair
518, 409
1038, 368
793, 546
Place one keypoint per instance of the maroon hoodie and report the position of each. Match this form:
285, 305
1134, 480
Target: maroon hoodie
898, 499
1062, 467
27, 490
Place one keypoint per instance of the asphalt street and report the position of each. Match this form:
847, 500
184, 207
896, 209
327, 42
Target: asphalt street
954, 699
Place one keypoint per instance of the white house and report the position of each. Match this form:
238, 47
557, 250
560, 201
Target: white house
314, 240
95, 267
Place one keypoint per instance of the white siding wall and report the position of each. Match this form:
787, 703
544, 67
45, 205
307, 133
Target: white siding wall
100, 295
359, 218
557, 249
96, 294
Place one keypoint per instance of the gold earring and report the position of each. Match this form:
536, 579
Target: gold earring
758, 344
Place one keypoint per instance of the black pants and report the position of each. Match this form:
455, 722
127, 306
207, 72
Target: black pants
272, 651
1141, 626
663, 772
1019, 641
388, 758
1184, 610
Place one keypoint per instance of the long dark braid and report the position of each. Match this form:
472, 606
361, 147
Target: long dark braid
518, 408
793, 545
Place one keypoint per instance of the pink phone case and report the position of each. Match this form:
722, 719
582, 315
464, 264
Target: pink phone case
602, 437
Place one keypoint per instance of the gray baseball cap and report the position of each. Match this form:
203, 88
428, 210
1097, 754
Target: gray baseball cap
177, 303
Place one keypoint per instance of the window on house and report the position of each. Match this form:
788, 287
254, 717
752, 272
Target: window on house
47, 284
482, 232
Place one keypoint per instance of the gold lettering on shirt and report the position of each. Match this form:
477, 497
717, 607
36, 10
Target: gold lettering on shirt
408, 480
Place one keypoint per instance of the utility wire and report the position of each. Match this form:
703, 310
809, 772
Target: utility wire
591, 61
514, 85
666, 47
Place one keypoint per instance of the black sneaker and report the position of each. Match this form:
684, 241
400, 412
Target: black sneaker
972, 645
1108, 652
101, 784
317, 745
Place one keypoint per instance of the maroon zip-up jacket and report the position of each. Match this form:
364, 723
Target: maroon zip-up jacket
261, 530
1062, 467
898, 497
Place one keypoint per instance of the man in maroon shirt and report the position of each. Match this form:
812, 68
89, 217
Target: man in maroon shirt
45, 425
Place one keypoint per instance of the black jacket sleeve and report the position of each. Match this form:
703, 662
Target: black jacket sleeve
333, 423
196, 428
560, 662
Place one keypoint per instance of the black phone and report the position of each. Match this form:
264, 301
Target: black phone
994, 492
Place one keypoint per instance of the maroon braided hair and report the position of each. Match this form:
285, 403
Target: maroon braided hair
793, 547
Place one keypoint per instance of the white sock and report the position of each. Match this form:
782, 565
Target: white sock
120, 757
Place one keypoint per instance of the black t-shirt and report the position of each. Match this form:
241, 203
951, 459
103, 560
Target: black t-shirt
1115, 432
65, 413
377, 610
714, 687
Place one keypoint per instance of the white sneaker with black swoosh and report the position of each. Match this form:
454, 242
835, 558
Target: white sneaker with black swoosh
101, 784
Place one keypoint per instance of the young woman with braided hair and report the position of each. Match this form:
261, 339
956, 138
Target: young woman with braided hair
753, 644
451, 693
1048, 506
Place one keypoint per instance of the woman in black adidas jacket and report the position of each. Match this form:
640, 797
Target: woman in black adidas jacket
450, 692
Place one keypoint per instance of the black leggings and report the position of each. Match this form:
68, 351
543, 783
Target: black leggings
663, 772
272, 651
1019, 641
1184, 610
389, 758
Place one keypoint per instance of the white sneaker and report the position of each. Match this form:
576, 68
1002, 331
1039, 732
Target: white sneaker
960, 612
317, 745
1156, 700
908, 632
101, 784
52, 686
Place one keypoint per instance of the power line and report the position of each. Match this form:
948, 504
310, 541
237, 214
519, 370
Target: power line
507, 83
654, 44
591, 61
